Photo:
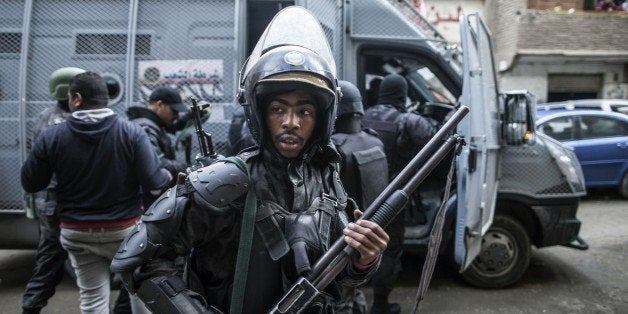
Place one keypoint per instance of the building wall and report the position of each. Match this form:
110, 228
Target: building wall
445, 14
534, 39
533, 76
595, 31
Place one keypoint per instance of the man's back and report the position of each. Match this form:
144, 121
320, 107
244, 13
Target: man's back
96, 165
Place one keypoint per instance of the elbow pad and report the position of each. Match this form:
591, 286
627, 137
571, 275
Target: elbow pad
159, 225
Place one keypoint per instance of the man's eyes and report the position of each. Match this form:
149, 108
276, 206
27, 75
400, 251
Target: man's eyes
280, 109
276, 109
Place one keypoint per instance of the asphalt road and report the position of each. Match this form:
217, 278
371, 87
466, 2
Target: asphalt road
559, 280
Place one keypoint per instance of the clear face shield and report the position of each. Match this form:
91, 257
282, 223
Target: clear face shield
292, 26
294, 42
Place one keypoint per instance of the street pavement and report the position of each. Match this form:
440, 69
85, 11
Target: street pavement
559, 280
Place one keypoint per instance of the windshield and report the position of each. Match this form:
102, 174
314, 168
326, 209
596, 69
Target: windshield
426, 85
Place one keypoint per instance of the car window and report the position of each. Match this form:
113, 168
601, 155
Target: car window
559, 128
597, 127
621, 108
588, 107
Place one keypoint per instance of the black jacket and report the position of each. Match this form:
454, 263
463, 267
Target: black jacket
99, 165
157, 133
281, 186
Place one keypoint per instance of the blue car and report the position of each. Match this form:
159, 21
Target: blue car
600, 141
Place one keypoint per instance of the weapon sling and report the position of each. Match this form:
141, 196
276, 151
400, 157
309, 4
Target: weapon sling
383, 209
246, 240
436, 235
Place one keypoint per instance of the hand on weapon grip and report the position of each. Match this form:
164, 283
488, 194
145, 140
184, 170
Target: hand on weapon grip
367, 237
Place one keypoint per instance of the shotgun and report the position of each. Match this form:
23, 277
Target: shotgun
382, 211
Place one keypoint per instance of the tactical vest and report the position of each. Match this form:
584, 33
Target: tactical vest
388, 123
298, 239
364, 172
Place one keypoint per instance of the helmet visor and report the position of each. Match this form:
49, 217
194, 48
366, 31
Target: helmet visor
293, 26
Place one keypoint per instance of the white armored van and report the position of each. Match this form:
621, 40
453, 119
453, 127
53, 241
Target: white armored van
513, 188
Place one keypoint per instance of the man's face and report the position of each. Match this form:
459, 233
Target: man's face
291, 118
166, 113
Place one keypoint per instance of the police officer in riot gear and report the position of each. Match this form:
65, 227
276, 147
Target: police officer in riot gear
403, 134
363, 170
48, 270
361, 150
289, 91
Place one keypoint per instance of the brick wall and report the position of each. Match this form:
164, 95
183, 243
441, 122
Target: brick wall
515, 27
551, 4
597, 31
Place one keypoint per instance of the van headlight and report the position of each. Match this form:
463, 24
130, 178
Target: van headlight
567, 163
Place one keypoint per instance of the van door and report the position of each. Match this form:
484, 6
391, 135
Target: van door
478, 162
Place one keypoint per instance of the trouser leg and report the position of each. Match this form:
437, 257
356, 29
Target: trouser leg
383, 281
123, 303
352, 301
48, 271
91, 253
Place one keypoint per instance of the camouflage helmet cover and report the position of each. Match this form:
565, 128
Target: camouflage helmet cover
59, 81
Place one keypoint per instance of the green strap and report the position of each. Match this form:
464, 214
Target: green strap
246, 241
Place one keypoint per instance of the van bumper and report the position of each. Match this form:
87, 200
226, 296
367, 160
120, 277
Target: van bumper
18, 232
558, 224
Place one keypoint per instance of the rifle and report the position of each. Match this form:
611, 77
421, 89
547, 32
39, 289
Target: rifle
204, 138
382, 211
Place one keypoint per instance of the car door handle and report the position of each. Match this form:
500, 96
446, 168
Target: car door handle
622, 145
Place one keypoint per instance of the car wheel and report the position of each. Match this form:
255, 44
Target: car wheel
504, 257
623, 186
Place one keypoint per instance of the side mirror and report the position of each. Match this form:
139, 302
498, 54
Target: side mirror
518, 122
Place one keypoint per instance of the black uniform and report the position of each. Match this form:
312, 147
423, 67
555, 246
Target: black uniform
156, 129
403, 134
363, 170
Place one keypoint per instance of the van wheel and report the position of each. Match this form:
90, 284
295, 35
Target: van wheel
504, 257
623, 187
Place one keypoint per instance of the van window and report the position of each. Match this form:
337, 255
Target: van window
10, 42
424, 84
110, 44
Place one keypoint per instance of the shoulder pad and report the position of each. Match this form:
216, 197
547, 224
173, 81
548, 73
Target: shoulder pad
163, 208
218, 185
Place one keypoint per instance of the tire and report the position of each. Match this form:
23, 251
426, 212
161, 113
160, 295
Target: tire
623, 186
504, 257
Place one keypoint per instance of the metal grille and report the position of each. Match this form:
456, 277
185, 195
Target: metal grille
530, 170
171, 37
10, 161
